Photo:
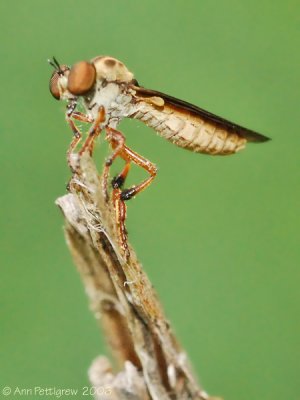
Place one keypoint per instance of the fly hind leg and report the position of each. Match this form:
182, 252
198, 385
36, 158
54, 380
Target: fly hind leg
119, 180
137, 159
119, 197
120, 210
117, 141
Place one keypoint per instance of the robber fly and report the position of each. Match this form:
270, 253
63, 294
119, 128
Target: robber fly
109, 93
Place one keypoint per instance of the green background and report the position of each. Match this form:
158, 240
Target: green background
219, 237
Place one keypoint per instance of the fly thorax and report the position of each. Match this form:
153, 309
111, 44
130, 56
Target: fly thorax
113, 97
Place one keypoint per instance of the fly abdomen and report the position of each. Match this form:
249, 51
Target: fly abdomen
188, 131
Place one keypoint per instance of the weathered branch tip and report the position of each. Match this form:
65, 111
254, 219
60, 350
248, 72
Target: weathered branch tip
150, 364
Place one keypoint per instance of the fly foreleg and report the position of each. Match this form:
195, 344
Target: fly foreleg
77, 135
82, 117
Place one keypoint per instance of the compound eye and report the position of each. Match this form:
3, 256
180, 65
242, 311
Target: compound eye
81, 78
53, 85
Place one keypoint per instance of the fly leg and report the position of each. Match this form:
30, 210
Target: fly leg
82, 117
119, 196
118, 181
77, 135
129, 154
94, 131
120, 210
120, 206
76, 139
117, 141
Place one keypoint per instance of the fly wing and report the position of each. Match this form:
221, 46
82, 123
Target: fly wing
183, 107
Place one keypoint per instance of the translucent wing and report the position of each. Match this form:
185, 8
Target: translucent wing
182, 107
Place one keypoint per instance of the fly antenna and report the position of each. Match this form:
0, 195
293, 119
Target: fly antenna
55, 64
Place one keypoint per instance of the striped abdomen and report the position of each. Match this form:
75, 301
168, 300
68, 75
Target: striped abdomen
189, 131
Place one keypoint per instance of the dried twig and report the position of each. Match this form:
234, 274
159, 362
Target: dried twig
152, 363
